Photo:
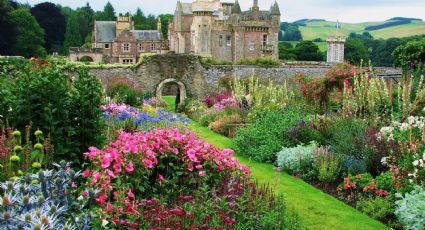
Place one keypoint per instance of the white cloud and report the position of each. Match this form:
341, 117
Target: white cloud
344, 10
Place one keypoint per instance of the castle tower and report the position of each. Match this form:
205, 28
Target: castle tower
124, 23
201, 27
336, 45
255, 11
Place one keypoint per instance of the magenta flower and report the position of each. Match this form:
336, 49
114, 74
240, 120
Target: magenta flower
148, 163
130, 167
202, 173
86, 173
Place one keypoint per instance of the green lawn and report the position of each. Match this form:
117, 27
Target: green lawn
316, 209
171, 102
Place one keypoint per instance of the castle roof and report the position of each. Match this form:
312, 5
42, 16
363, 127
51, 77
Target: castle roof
151, 35
236, 9
186, 8
264, 15
105, 31
274, 10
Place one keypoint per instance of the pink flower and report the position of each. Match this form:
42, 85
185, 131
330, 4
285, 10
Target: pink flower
148, 163
106, 162
198, 166
102, 198
130, 194
202, 173
86, 173
190, 167
130, 167
110, 173
220, 168
86, 193
161, 178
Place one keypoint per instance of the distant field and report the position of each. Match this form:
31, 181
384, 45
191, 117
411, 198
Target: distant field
324, 29
322, 45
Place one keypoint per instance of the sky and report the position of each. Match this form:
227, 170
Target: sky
343, 10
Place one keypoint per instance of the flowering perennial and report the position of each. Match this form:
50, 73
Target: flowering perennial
139, 165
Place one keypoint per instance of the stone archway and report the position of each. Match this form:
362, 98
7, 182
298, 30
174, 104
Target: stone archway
182, 88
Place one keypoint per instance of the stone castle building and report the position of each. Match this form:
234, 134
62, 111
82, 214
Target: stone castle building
118, 42
211, 28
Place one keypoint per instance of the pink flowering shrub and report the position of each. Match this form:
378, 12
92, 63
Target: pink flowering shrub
226, 103
211, 100
160, 164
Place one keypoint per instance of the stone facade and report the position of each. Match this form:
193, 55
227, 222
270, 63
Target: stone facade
211, 28
119, 42
336, 46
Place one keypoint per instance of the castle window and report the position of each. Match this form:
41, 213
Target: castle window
153, 47
265, 39
251, 46
228, 40
220, 40
126, 47
141, 47
107, 46
127, 61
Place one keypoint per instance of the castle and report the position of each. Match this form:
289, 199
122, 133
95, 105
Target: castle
118, 42
223, 31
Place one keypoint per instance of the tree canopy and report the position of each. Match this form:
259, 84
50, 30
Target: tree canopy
355, 52
29, 34
51, 19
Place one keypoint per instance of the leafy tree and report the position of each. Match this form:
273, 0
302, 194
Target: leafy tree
291, 32
286, 51
51, 19
72, 35
29, 34
308, 51
165, 20
410, 55
85, 21
7, 29
355, 52
139, 19
108, 13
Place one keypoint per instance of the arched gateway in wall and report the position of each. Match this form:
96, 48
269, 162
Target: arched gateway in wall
182, 88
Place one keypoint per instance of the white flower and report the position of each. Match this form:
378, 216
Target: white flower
415, 163
420, 124
423, 157
411, 120
80, 198
404, 126
104, 223
384, 161
391, 137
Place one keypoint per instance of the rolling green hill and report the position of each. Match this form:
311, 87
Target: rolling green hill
312, 29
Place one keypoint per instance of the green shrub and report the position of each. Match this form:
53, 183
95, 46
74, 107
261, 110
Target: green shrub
379, 208
385, 181
86, 113
410, 209
268, 133
347, 140
297, 159
209, 117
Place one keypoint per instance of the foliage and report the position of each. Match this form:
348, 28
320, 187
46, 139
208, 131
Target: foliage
355, 52
260, 61
406, 159
380, 208
7, 29
86, 99
410, 209
410, 55
298, 159
308, 51
51, 19
221, 124
327, 165
108, 13
42, 200
252, 93
286, 51
124, 91
268, 133
290, 31
29, 34
72, 37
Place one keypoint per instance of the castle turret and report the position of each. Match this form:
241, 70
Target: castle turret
275, 13
236, 9
255, 11
123, 23
202, 26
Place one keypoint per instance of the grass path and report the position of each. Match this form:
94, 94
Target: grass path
316, 209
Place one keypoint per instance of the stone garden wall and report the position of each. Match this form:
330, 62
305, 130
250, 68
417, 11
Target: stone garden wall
200, 80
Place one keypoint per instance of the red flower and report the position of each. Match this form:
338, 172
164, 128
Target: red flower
333, 79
